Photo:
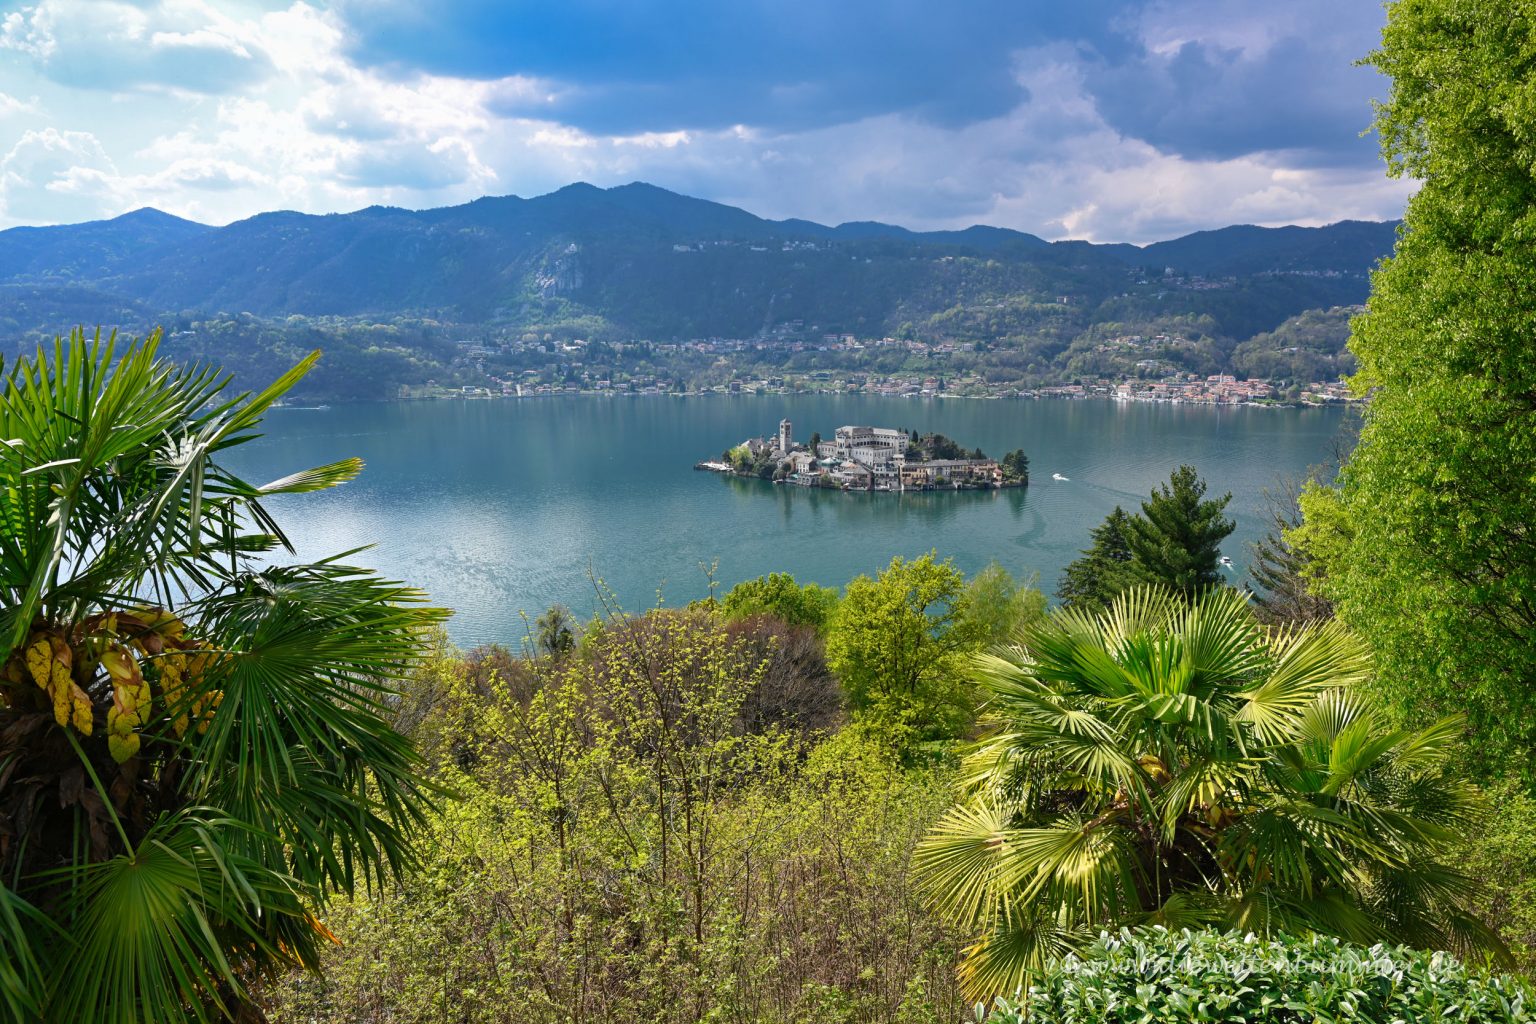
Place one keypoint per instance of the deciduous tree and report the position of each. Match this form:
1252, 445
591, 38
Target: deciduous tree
1427, 547
779, 595
895, 643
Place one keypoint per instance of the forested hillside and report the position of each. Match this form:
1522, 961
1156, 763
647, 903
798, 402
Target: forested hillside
641, 263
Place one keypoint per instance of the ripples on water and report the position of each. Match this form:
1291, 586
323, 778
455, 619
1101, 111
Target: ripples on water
497, 507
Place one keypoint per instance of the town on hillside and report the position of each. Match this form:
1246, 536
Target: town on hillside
863, 458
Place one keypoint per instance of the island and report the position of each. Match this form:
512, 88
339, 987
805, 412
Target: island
860, 458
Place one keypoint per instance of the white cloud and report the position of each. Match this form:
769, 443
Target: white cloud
182, 45
51, 175
217, 112
11, 106
28, 31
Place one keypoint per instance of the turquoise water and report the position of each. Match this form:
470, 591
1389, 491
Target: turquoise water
500, 507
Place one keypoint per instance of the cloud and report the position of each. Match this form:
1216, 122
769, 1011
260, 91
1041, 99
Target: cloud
50, 176
104, 44
10, 106
627, 68
1200, 78
438, 165
1110, 119
1219, 79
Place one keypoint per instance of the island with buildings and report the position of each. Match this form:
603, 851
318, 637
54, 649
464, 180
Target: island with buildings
860, 458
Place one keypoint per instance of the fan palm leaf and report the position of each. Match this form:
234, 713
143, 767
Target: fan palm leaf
195, 749
1167, 761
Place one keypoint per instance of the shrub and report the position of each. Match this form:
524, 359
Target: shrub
1173, 977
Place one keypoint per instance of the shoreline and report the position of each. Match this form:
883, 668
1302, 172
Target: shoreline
608, 394
724, 470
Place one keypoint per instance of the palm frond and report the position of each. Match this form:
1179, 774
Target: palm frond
1019, 942
961, 860
1221, 641
22, 978
152, 931
307, 655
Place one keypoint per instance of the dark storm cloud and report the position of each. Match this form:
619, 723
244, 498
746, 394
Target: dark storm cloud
623, 67
619, 67
1298, 93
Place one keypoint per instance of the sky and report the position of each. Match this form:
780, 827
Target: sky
1108, 120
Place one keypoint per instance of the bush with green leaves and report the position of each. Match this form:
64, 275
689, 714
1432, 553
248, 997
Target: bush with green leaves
780, 595
1174, 977
626, 848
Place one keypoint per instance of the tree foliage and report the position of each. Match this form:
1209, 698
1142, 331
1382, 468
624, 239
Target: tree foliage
1282, 591
896, 644
779, 595
1169, 762
1104, 570
553, 634
636, 842
194, 752
1176, 541
1015, 467
997, 606
1427, 546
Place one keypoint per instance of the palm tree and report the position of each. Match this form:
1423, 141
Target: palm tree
1175, 763
193, 747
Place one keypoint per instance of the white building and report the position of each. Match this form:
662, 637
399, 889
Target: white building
786, 438
871, 445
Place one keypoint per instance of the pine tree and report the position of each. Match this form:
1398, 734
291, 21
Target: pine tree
1104, 570
1176, 541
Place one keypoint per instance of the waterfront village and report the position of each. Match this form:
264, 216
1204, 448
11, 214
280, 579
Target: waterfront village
860, 458
727, 366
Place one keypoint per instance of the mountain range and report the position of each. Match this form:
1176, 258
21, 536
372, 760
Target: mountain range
609, 252
400, 296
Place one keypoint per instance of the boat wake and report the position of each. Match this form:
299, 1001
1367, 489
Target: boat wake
1058, 476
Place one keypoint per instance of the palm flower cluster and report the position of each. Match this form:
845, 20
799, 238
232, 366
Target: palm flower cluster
111, 659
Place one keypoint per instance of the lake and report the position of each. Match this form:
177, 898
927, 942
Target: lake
506, 506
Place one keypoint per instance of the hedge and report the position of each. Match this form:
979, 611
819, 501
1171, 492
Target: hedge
1188, 976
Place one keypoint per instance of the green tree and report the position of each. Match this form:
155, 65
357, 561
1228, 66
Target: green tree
896, 643
1176, 541
778, 594
1280, 569
194, 747
999, 605
1427, 547
1172, 762
552, 631
1016, 467
1104, 570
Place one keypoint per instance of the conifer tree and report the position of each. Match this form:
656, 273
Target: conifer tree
1176, 541
1104, 570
